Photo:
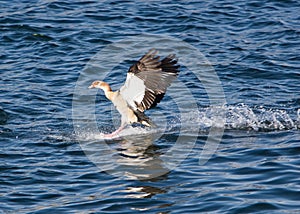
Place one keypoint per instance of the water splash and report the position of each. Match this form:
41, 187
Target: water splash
237, 117
243, 117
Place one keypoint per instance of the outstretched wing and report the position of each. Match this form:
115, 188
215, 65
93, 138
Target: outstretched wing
148, 79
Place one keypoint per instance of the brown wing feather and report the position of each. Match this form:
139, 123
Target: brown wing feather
157, 76
147, 63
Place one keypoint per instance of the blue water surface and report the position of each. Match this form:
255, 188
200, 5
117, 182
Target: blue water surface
48, 167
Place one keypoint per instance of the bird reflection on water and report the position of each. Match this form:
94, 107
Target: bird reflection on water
131, 156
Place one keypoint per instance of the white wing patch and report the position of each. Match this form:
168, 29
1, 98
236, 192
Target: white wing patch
133, 91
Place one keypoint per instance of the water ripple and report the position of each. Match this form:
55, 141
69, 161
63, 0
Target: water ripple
253, 47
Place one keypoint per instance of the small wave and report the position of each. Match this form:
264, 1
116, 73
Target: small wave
3, 117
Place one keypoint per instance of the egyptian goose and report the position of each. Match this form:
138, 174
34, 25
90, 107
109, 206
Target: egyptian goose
145, 86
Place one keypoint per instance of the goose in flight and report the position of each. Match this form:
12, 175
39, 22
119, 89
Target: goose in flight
146, 84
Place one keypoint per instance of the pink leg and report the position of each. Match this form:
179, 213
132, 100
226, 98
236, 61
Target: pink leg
115, 133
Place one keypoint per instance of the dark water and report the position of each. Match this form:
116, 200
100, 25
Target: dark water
49, 167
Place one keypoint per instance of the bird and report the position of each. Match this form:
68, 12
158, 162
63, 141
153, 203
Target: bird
146, 83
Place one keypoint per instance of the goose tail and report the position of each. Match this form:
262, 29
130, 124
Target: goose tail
143, 119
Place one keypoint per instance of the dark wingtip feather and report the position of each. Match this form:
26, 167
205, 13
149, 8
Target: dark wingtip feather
169, 64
